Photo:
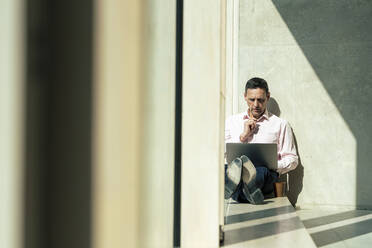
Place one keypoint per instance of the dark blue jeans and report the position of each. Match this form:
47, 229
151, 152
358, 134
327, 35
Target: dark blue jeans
265, 179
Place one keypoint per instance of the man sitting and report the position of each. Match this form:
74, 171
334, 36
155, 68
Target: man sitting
244, 181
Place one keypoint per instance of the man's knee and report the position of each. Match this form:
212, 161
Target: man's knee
262, 171
265, 176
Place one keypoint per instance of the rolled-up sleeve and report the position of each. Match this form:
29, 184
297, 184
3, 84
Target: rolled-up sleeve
287, 153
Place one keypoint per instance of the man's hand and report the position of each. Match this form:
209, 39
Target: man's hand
249, 127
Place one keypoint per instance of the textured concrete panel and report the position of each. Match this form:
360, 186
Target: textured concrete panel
330, 21
262, 61
316, 56
258, 26
311, 22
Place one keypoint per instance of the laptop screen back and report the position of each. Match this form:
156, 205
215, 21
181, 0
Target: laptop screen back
260, 154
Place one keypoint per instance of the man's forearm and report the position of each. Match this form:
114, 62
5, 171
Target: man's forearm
287, 164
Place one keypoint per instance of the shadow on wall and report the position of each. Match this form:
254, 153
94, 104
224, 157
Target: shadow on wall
335, 37
273, 106
295, 177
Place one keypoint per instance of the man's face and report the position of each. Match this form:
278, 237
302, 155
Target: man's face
257, 100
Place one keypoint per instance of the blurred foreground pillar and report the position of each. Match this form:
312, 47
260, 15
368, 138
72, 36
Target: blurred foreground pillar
133, 124
12, 57
117, 123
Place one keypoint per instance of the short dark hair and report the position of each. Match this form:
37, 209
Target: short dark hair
255, 83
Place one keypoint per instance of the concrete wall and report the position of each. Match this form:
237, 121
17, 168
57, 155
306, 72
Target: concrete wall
316, 57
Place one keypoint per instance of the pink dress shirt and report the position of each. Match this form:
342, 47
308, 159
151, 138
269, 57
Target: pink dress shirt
269, 129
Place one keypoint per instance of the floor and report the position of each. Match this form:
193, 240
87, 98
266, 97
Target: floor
273, 224
338, 228
278, 224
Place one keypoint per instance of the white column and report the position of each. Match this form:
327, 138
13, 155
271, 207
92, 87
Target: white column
203, 78
12, 57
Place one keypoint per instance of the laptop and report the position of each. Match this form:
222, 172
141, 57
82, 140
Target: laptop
260, 154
